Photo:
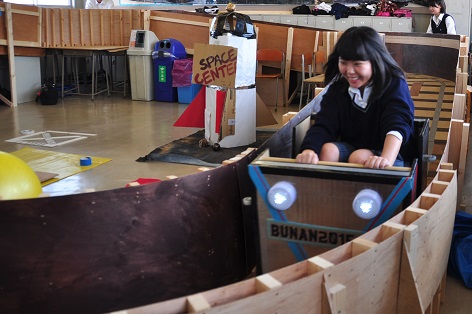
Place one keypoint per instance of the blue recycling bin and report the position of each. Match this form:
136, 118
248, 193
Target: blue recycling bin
164, 54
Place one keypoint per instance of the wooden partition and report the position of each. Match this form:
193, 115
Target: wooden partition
79, 28
397, 267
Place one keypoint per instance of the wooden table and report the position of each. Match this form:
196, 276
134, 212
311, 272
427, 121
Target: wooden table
94, 53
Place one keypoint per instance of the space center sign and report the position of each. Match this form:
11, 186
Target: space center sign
214, 65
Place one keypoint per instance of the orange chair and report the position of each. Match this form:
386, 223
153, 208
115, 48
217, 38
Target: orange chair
272, 58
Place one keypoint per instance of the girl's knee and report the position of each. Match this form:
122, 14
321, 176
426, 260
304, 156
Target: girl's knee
360, 156
329, 152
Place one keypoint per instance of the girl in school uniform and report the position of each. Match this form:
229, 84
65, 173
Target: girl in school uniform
366, 113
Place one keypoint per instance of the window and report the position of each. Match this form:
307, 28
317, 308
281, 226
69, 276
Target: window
43, 2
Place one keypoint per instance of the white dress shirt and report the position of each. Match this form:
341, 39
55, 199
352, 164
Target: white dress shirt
105, 4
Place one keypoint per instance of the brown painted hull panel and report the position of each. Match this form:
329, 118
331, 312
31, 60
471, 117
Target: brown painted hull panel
116, 249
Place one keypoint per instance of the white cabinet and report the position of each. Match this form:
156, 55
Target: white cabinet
256, 17
324, 22
328, 22
306, 20
289, 19
271, 18
342, 24
401, 25
361, 21
382, 24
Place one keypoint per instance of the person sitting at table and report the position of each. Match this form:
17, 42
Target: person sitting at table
99, 4
441, 22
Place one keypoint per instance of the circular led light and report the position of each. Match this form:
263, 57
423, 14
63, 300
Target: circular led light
367, 204
282, 195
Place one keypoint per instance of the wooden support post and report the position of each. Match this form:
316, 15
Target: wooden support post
61, 17
458, 109
462, 159
81, 19
411, 242
337, 296
48, 30
40, 27
71, 28
91, 27
11, 57
112, 30
102, 34
455, 140
53, 29
147, 19
121, 27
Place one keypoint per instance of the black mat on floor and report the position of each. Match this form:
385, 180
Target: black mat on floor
187, 151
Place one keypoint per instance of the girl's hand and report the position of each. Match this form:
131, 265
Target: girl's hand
307, 157
377, 162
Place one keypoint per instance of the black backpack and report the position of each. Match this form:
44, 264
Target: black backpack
48, 95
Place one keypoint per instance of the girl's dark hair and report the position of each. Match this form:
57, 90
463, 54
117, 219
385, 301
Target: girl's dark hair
364, 43
435, 3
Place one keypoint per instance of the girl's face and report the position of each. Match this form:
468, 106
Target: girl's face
435, 10
358, 73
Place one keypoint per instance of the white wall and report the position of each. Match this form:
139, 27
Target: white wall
460, 10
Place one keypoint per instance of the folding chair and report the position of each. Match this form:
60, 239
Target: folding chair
268, 57
318, 76
307, 68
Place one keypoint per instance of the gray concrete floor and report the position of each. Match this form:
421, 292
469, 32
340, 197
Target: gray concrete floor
129, 129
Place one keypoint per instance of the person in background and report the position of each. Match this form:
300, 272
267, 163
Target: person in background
99, 4
441, 22
366, 114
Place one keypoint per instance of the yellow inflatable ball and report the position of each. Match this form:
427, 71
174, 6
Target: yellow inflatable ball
17, 179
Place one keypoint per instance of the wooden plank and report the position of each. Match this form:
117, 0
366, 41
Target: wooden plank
53, 29
121, 28
337, 296
316, 264
102, 31
415, 88
266, 282
197, 303
458, 111
61, 24
462, 158
40, 27
378, 267
92, 28
81, 27
455, 140
360, 245
389, 229
146, 19
419, 284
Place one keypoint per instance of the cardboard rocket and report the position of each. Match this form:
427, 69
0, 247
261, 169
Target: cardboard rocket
227, 67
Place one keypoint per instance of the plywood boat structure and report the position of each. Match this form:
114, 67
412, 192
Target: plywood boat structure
161, 247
